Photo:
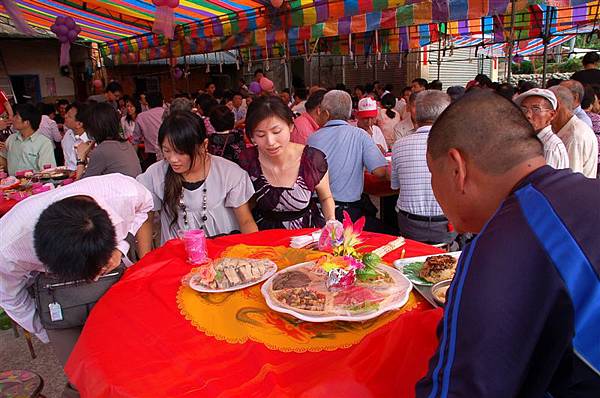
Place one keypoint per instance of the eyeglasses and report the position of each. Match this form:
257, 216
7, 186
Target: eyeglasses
536, 110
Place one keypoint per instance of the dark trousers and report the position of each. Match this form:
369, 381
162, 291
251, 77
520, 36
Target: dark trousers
424, 231
372, 224
63, 341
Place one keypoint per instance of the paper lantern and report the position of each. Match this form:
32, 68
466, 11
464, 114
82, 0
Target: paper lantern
66, 30
164, 19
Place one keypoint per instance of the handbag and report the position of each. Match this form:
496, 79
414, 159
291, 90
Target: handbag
66, 304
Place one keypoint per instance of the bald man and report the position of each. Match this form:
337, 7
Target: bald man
579, 139
522, 315
577, 91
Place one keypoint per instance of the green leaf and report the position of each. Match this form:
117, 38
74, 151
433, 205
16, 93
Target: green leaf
411, 271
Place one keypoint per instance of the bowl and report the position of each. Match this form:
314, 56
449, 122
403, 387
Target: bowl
439, 290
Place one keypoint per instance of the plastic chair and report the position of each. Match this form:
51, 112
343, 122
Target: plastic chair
27, 335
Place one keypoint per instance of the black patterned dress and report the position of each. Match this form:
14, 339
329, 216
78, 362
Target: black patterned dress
282, 207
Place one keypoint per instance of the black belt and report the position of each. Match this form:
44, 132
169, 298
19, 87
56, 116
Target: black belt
284, 215
358, 204
417, 217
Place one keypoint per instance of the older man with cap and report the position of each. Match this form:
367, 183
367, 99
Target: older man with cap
539, 106
579, 139
419, 214
349, 152
522, 315
577, 91
366, 116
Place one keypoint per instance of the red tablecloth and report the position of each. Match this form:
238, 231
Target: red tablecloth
137, 344
6, 205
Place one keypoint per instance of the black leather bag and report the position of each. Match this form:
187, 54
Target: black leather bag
76, 298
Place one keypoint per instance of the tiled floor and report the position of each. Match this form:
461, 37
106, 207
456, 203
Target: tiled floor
14, 354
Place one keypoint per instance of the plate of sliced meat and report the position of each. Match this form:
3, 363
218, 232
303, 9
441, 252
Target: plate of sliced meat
229, 274
302, 291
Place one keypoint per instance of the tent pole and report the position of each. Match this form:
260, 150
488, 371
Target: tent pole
439, 57
548, 22
511, 38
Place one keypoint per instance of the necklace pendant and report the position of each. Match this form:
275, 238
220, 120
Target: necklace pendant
204, 218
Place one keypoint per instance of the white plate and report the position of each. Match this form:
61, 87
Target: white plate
204, 289
394, 305
400, 263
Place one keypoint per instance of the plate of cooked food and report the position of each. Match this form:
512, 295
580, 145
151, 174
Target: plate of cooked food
309, 292
229, 274
431, 275
429, 270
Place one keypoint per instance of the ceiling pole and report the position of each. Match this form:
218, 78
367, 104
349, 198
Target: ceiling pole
511, 40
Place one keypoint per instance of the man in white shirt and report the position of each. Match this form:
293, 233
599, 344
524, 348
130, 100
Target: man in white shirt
419, 214
75, 134
48, 127
74, 232
539, 106
408, 122
365, 119
579, 139
577, 91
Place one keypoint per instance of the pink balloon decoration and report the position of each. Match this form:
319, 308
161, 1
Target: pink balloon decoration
266, 85
276, 3
164, 19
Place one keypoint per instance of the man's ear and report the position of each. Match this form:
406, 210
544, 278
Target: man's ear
458, 168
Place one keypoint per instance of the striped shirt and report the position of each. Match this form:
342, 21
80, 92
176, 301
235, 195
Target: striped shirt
555, 151
411, 175
127, 203
522, 315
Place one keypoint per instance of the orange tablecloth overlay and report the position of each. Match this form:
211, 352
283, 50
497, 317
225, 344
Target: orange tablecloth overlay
136, 342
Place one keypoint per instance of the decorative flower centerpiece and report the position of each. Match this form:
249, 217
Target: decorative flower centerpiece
346, 265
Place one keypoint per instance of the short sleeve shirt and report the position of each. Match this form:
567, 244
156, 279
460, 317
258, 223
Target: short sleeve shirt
31, 153
227, 187
349, 151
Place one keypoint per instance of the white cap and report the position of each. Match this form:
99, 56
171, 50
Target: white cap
367, 107
538, 92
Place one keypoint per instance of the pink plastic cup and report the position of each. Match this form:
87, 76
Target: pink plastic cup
195, 245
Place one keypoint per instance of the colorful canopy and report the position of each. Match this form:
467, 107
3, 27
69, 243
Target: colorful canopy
123, 27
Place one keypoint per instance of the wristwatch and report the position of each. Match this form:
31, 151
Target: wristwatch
81, 162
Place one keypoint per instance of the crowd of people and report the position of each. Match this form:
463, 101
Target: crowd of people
253, 159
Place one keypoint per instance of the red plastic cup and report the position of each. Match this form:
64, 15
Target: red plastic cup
195, 245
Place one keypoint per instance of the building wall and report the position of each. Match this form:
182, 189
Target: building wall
40, 57
169, 87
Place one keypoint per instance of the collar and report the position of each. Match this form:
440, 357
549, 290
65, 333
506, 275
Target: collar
20, 137
423, 129
310, 119
535, 175
578, 109
336, 123
545, 130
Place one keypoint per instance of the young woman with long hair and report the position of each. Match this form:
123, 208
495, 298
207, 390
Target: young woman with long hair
285, 174
132, 109
110, 153
193, 189
388, 118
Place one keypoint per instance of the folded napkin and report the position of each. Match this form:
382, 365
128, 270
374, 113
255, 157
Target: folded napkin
298, 242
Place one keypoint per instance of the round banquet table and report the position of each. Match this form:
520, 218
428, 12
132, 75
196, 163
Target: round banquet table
139, 341
6, 205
